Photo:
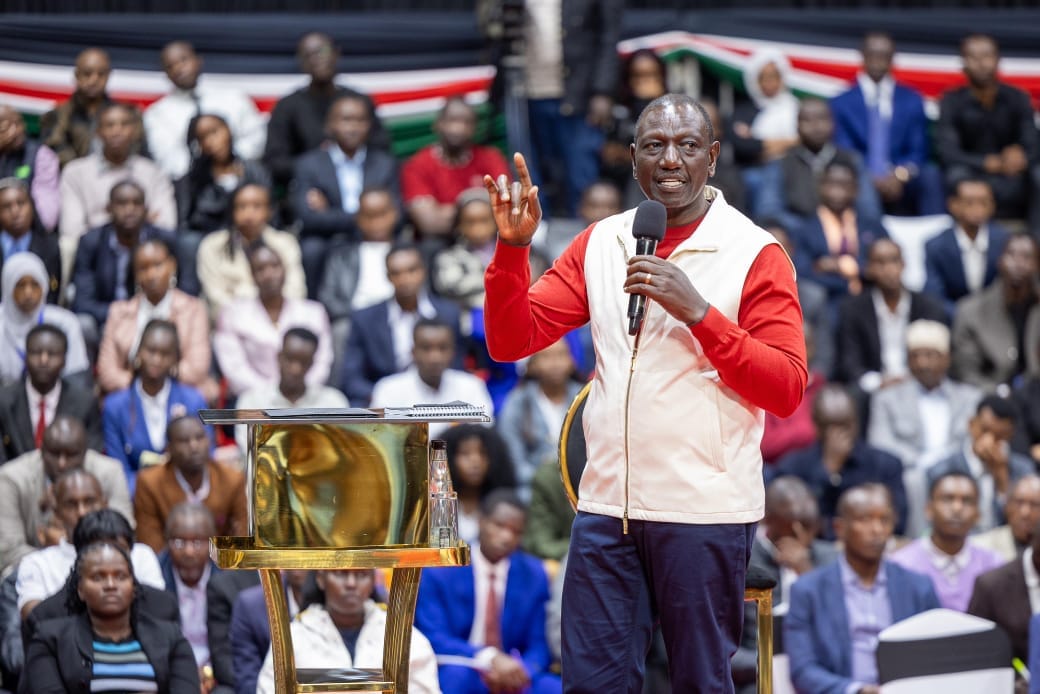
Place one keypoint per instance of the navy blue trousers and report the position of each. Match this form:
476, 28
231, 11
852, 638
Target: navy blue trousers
690, 578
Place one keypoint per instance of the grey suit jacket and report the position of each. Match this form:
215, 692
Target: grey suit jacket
985, 349
22, 484
895, 418
16, 431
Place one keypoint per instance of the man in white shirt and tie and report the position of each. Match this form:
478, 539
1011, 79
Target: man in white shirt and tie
166, 121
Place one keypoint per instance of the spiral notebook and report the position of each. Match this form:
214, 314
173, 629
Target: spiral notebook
454, 409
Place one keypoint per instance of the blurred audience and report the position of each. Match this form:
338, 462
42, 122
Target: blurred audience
963, 260
328, 181
550, 514
837, 611
384, 346
781, 435
885, 123
222, 591
157, 298
22, 232
70, 129
986, 455
249, 332
297, 123
294, 385
250, 633
500, 623
533, 413
840, 459
27, 160
135, 418
87, 181
995, 331
1022, 511
430, 378
217, 170
433, 178
479, 464
23, 285
42, 573
28, 406
224, 269
188, 475
166, 121
987, 129
103, 270
27, 498
945, 556
458, 269
927, 413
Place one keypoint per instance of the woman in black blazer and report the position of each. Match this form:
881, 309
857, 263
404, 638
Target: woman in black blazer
105, 638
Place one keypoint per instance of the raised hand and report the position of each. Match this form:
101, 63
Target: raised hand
515, 204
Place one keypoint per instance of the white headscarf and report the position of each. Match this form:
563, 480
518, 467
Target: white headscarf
15, 325
777, 117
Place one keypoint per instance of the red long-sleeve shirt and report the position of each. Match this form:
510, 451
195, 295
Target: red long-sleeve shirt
761, 356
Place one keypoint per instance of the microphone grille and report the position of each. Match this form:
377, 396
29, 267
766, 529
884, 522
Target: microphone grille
650, 220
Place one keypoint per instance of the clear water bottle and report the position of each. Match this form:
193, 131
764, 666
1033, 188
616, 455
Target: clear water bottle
444, 514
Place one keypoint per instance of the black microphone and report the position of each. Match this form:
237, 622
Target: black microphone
648, 228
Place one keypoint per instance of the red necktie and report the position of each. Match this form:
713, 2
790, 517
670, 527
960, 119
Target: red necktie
41, 423
492, 628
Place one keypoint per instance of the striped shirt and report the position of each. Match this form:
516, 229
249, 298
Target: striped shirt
122, 668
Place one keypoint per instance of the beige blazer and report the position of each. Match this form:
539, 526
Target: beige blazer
22, 485
114, 371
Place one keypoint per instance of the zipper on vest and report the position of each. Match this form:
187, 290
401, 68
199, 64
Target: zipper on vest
628, 396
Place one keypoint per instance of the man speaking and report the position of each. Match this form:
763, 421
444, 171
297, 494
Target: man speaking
673, 487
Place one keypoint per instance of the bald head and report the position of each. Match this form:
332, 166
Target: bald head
187, 518
64, 446
680, 103
791, 509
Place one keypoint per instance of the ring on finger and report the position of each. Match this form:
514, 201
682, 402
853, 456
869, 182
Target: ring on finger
649, 277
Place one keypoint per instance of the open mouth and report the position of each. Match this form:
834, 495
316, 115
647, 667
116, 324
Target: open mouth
670, 183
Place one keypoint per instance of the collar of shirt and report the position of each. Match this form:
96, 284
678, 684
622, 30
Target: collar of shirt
10, 245
155, 412
195, 497
849, 578
105, 166
943, 561
50, 399
817, 161
902, 311
966, 245
879, 93
424, 307
339, 157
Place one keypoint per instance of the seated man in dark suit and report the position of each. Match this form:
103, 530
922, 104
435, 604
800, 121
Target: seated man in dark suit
329, 181
222, 590
28, 406
986, 129
503, 593
103, 272
21, 231
885, 123
872, 326
986, 455
1004, 595
381, 342
187, 568
790, 184
831, 630
963, 259
250, 632
832, 245
840, 459
785, 548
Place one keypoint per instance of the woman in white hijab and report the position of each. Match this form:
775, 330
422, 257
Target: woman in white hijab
23, 288
766, 131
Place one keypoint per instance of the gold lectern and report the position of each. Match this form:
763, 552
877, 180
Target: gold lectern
337, 489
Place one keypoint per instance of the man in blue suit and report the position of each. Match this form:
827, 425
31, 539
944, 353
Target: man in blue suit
963, 259
836, 612
885, 122
491, 612
380, 340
